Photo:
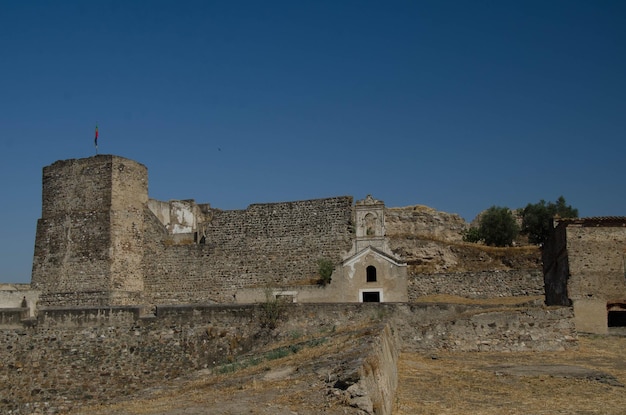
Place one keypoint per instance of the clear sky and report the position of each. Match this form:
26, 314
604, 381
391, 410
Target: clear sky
457, 105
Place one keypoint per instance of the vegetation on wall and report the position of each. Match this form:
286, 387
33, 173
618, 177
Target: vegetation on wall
325, 269
272, 310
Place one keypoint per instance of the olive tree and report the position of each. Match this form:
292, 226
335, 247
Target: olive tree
537, 218
498, 226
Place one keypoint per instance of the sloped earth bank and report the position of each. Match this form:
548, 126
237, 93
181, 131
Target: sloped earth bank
313, 380
351, 372
318, 376
589, 380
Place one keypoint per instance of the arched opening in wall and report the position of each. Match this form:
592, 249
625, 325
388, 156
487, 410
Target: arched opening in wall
616, 314
370, 273
370, 224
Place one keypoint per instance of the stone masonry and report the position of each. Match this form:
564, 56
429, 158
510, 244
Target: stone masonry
101, 241
66, 358
89, 243
266, 245
134, 291
585, 266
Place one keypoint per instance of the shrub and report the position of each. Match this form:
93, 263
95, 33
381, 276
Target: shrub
325, 269
272, 310
472, 235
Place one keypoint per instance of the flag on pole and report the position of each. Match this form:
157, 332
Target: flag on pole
95, 141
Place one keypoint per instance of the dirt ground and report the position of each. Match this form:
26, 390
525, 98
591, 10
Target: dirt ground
586, 381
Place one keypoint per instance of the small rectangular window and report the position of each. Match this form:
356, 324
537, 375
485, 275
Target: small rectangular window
371, 297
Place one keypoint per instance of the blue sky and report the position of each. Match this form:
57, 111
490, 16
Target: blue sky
457, 105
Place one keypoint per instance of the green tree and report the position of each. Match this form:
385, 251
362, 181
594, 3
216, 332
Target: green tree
498, 226
537, 218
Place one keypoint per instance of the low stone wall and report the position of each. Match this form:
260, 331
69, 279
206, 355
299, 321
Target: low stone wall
68, 357
425, 328
368, 374
487, 284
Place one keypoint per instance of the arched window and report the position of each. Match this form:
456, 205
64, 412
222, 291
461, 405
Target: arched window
370, 273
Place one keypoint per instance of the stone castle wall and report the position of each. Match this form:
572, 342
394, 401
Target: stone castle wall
99, 243
266, 245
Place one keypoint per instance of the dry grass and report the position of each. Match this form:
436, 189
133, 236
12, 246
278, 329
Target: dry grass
454, 383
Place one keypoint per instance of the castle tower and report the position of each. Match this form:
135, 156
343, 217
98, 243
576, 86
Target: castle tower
89, 242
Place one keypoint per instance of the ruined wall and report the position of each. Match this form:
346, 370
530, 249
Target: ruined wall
88, 242
69, 357
266, 245
556, 267
595, 254
596, 262
18, 295
178, 216
100, 241
486, 284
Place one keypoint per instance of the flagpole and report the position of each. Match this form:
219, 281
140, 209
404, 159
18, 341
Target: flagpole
95, 141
